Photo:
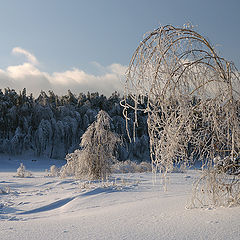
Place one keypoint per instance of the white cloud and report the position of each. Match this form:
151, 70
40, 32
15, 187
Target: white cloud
30, 57
28, 75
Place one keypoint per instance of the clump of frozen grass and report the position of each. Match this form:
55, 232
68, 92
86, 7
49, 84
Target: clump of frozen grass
131, 167
22, 172
89, 185
54, 171
5, 190
116, 183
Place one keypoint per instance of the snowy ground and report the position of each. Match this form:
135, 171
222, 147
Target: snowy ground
129, 206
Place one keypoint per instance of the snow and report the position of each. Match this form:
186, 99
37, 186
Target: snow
127, 206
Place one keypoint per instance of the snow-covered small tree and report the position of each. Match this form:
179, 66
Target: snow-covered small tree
94, 159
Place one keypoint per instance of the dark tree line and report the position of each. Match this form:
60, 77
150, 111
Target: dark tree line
52, 125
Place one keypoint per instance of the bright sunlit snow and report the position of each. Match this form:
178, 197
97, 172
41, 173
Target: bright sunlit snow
127, 206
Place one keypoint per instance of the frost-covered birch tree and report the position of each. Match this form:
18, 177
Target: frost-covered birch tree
94, 159
192, 106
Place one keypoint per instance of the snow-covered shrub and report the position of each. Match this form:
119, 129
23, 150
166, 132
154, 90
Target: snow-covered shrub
22, 172
131, 167
144, 167
73, 163
53, 172
192, 101
94, 159
124, 167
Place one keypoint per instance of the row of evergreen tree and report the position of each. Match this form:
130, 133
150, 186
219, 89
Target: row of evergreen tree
52, 125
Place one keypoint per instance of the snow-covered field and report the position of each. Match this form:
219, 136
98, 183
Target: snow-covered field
128, 206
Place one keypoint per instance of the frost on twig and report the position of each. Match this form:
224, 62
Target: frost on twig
193, 101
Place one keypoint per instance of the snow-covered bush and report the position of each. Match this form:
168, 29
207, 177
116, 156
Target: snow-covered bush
72, 165
131, 167
53, 172
144, 167
22, 172
192, 101
94, 159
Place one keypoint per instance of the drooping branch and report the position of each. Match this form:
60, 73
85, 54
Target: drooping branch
192, 98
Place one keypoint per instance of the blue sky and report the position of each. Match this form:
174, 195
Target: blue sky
86, 45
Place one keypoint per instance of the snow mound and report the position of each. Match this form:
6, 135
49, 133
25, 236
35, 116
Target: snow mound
50, 206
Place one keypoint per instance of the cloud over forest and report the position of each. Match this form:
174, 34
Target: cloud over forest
28, 75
